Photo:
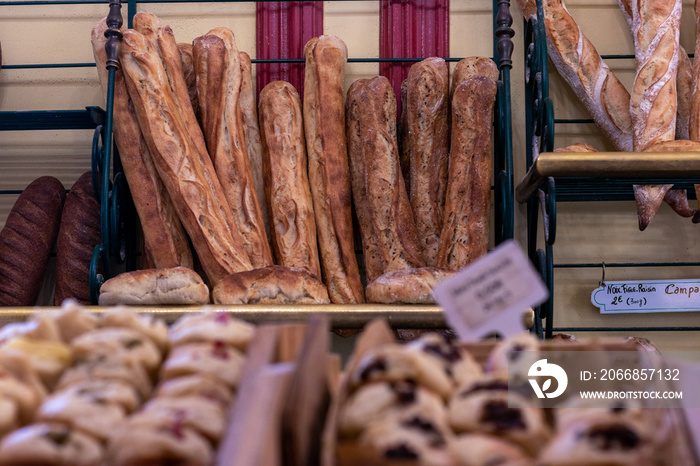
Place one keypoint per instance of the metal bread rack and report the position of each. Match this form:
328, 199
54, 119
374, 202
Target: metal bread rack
581, 177
119, 221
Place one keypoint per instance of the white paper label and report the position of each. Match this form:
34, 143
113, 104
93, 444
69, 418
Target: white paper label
491, 294
647, 296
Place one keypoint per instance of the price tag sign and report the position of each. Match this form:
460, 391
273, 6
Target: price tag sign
647, 296
491, 294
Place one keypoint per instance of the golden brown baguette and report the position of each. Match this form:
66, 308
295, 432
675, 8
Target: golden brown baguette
412, 286
577, 147
684, 79
187, 59
386, 221
164, 238
187, 173
579, 63
465, 232
217, 64
162, 41
286, 180
653, 103
426, 141
246, 101
329, 174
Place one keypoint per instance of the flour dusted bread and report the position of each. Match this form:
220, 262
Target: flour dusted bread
465, 232
271, 285
177, 285
329, 173
426, 141
186, 171
412, 286
581, 66
389, 235
287, 188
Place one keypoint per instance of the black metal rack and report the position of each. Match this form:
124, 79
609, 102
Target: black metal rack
543, 193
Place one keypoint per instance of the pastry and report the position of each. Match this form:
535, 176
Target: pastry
202, 385
209, 327
50, 444
216, 358
121, 343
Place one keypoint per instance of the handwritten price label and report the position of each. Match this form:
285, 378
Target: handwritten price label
491, 294
647, 296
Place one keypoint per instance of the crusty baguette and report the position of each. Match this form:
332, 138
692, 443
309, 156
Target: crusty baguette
78, 235
187, 173
286, 180
386, 221
217, 64
653, 103
329, 174
413, 286
27, 239
579, 63
403, 148
427, 141
472, 66
175, 285
246, 101
465, 232
164, 238
162, 41
271, 285
577, 147
187, 59
684, 79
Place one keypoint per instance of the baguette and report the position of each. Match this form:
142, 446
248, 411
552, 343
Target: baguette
187, 173
164, 238
684, 79
329, 174
655, 29
286, 180
78, 235
386, 221
472, 66
217, 64
577, 147
27, 239
413, 286
246, 101
579, 63
162, 41
187, 59
465, 232
427, 140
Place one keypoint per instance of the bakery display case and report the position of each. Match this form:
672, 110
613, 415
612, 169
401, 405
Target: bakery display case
119, 249
579, 180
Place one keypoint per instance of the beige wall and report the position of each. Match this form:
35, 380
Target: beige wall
587, 232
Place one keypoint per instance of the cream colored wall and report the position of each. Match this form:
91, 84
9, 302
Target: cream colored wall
586, 232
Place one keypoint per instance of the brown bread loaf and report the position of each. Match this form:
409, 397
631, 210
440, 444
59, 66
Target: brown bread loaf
384, 212
426, 142
287, 189
187, 173
465, 231
271, 285
246, 101
78, 235
175, 285
27, 239
329, 174
164, 238
217, 64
